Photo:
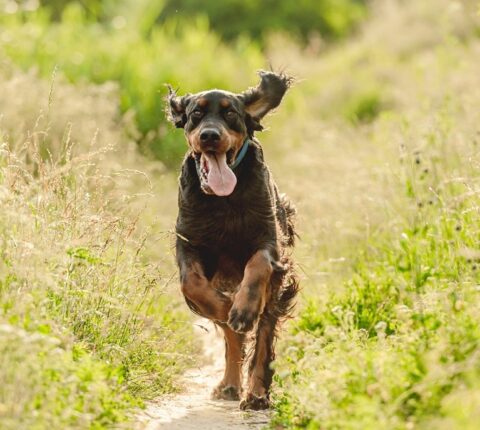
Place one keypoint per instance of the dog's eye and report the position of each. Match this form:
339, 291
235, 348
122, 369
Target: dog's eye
231, 114
197, 113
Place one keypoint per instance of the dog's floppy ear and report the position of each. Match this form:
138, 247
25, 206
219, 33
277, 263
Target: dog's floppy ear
176, 107
266, 96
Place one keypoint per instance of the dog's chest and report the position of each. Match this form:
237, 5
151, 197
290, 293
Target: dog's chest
228, 274
236, 228
236, 224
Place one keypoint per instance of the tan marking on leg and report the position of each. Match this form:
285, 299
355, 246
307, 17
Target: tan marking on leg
209, 302
259, 372
256, 377
234, 357
230, 388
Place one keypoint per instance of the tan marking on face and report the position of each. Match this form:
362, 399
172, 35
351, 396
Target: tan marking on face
225, 103
193, 139
235, 141
202, 102
230, 139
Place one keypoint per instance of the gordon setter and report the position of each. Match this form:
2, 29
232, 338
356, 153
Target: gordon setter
234, 229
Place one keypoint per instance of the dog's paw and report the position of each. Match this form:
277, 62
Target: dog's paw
252, 402
226, 392
242, 320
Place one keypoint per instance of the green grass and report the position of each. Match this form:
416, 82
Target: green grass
126, 47
305, 20
88, 327
142, 61
388, 335
400, 341
377, 145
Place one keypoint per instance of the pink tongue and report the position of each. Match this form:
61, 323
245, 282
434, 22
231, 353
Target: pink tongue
221, 179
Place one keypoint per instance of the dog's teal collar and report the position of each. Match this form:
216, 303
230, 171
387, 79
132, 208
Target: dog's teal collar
241, 153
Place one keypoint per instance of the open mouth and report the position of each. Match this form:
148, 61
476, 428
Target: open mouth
216, 176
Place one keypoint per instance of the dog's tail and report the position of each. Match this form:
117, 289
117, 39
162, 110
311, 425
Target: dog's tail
286, 213
291, 213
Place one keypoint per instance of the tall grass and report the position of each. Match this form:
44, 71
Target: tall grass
387, 337
377, 145
87, 328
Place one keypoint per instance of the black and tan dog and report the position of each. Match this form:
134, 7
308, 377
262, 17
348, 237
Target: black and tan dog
234, 228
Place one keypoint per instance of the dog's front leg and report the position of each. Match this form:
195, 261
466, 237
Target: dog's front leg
252, 295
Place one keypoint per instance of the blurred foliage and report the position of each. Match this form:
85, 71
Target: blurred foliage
141, 64
144, 44
331, 19
95, 9
364, 107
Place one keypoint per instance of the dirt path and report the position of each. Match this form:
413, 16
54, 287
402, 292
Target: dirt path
193, 409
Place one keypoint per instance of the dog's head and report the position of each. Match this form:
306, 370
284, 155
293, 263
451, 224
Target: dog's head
217, 123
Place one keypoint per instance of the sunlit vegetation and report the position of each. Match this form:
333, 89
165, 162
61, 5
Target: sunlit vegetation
87, 328
388, 334
377, 144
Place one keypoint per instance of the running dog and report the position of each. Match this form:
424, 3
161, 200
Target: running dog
234, 229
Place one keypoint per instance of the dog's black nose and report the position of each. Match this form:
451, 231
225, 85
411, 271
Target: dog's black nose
210, 135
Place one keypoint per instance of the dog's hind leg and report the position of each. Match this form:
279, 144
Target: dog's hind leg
230, 388
259, 372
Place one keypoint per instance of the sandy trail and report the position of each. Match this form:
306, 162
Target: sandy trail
193, 409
